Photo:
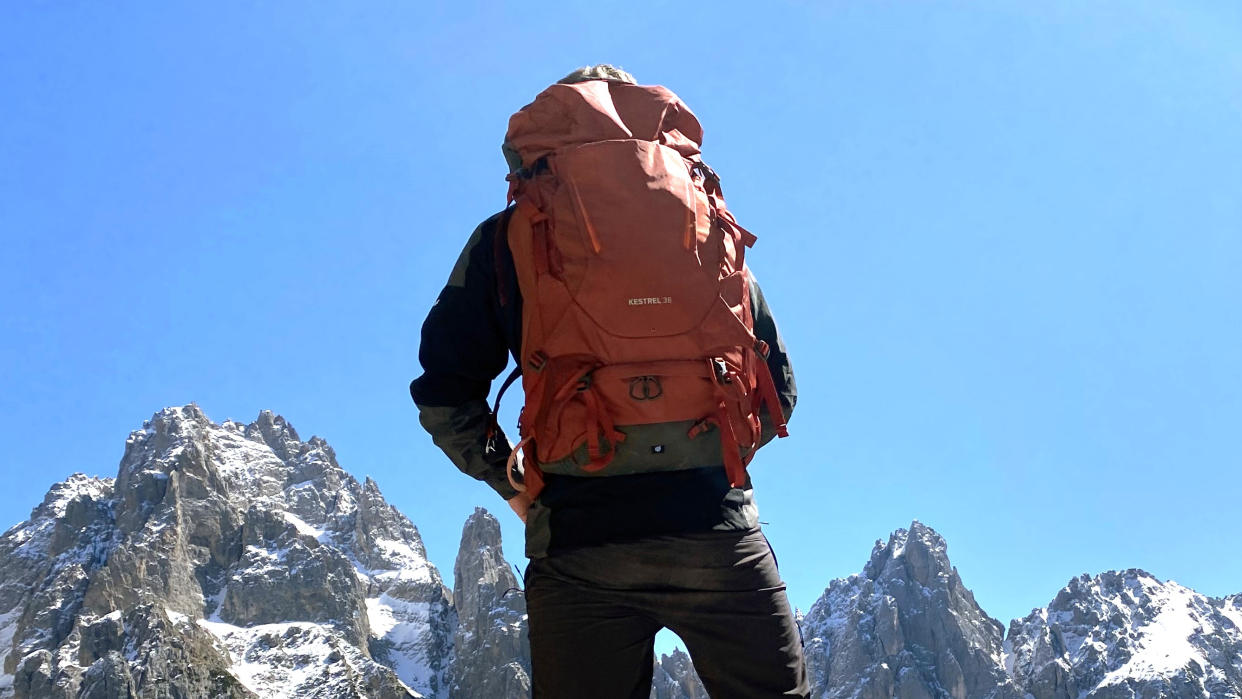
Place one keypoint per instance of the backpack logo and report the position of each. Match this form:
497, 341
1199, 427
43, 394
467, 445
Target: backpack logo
651, 300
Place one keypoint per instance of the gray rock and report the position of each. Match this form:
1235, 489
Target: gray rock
46, 564
108, 678
232, 560
284, 575
491, 652
674, 678
906, 627
1128, 634
224, 560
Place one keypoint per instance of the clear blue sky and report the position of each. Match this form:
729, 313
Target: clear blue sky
1003, 241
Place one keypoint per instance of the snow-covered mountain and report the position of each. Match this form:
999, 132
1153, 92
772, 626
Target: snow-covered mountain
236, 560
491, 617
904, 627
1128, 634
223, 560
908, 627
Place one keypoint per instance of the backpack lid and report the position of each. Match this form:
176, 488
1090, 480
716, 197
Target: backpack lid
602, 110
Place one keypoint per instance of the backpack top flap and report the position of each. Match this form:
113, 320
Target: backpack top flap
602, 110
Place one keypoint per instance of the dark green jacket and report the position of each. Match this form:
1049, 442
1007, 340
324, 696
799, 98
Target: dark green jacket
470, 333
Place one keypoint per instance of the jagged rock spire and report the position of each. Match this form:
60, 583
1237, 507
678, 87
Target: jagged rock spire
492, 656
906, 627
674, 677
236, 560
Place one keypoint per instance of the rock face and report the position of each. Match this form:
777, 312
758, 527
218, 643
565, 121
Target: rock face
223, 560
675, 678
491, 653
905, 627
232, 560
1127, 634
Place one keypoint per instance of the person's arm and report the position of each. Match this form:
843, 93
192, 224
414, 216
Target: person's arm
462, 351
778, 360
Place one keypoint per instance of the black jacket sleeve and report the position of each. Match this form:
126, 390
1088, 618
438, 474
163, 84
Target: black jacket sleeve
463, 348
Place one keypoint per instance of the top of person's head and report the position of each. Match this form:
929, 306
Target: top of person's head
600, 71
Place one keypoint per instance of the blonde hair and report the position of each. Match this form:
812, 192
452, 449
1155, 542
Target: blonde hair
600, 71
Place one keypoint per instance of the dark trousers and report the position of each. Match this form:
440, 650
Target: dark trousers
594, 613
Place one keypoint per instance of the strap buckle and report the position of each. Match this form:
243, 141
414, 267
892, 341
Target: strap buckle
705, 171
646, 388
538, 360
698, 428
584, 382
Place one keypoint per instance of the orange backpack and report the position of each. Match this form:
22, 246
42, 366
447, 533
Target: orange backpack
637, 334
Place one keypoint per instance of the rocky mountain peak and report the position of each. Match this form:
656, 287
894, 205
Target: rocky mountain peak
906, 626
274, 431
240, 541
73, 492
236, 560
480, 557
919, 552
491, 616
1127, 633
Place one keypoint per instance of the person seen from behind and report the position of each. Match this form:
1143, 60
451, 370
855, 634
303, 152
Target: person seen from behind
652, 370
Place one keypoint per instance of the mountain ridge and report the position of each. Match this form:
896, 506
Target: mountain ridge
240, 540
238, 560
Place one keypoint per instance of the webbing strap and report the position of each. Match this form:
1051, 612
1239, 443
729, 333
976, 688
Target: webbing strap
767, 391
493, 425
513, 375
512, 178
739, 233
599, 421
734, 468
731, 451
585, 217
664, 367
539, 224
